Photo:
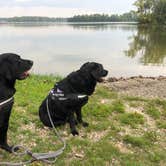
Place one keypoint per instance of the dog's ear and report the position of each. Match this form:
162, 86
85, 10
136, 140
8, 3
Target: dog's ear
5, 71
8, 75
96, 74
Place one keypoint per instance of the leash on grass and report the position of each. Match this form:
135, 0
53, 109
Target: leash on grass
49, 157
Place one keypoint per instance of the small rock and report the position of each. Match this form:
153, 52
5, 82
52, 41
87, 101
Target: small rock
112, 79
79, 155
102, 101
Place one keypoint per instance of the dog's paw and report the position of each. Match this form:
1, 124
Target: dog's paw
74, 132
85, 124
6, 147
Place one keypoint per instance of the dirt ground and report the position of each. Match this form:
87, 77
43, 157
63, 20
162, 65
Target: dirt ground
148, 87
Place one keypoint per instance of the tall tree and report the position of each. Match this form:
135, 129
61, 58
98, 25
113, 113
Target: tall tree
144, 10
151, 11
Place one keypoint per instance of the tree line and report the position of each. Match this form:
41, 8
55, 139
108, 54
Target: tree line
131, 16
32, 19
126, 17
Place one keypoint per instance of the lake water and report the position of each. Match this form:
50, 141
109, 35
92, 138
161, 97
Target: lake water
124, 49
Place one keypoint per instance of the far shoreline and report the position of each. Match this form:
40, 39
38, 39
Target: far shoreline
67, 22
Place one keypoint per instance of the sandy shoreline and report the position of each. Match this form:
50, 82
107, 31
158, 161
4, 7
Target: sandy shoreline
147, 87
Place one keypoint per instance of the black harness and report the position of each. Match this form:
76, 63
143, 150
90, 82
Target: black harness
57, 94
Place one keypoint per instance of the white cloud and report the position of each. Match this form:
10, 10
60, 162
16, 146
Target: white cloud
62, 8
21, 0
42, 11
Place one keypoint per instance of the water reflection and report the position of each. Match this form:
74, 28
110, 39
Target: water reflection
95, 26
62, 48
103, 27
150, 44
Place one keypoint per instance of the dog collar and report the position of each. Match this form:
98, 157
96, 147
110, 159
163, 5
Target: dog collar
6, 101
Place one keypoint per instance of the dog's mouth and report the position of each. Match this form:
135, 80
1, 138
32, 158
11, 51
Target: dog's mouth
26, 72
101, 79
24, 75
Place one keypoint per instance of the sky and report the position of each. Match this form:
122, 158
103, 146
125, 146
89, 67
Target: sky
63, 8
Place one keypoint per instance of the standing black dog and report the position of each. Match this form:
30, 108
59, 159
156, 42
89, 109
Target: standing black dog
69, 95
12, 67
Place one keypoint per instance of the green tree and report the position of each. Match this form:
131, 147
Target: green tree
144, 10
151, 11
131, 16
160, 11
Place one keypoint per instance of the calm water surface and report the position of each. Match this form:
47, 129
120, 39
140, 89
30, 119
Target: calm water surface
124, 49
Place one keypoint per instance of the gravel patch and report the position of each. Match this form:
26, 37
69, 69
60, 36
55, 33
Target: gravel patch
148, 87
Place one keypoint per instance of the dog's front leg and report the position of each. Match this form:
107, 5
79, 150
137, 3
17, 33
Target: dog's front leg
3, 138
79, 118
72, 124
4, 123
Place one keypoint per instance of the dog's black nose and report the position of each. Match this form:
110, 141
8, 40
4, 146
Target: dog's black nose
105, 72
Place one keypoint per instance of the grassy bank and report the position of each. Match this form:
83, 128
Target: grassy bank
123, 130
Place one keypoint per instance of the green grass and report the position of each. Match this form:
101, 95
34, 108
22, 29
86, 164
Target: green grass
118, 106
132, 119
147, 139
153, 112
142, 144
161, 124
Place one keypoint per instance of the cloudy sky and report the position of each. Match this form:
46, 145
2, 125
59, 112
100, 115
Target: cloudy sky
63, 8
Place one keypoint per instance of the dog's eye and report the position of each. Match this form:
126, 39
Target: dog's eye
18, 60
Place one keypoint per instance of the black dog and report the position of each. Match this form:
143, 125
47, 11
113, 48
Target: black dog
12, 67
69, 95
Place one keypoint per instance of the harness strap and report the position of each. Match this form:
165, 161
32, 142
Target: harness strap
6, 101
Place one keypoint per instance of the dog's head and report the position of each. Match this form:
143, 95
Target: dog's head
12, 67
96, 70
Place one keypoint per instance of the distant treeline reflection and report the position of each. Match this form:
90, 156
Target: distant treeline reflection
150, 44
103, 26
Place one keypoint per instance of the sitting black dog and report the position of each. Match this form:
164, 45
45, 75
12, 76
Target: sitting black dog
12, 67
69, 95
